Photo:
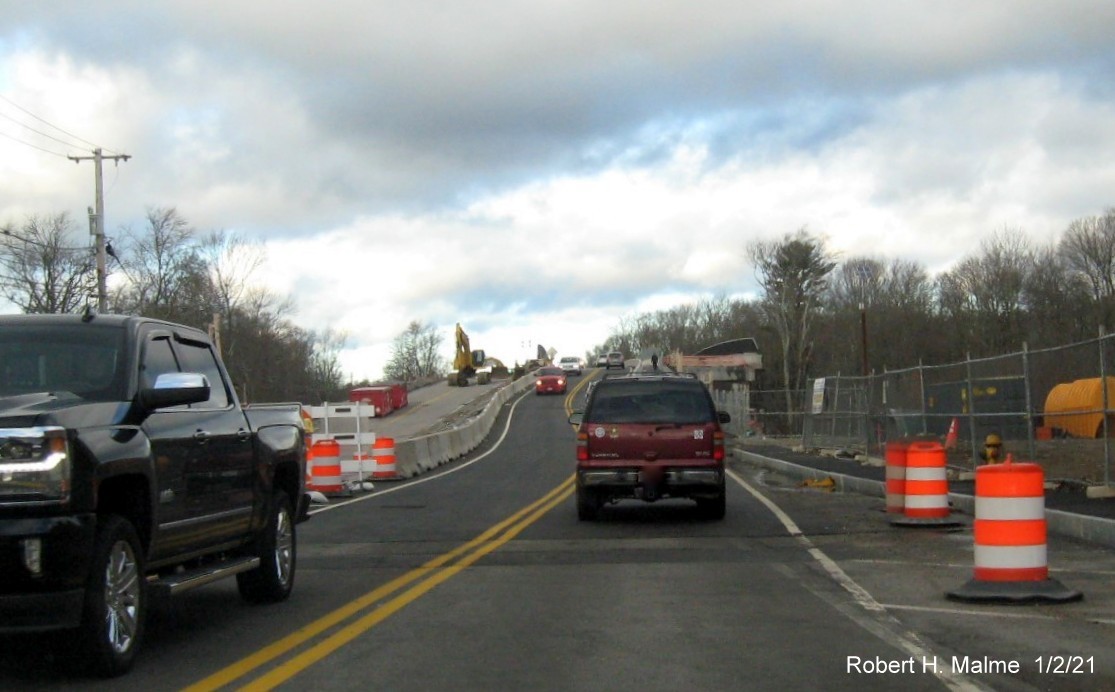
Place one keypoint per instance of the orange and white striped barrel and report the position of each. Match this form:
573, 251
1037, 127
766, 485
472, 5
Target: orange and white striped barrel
896, 475
383, 452
326, 475
927, 485
1009, 528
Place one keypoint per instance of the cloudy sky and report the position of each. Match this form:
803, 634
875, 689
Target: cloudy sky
540, 169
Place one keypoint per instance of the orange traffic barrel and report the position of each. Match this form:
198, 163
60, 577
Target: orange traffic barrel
896, 475
1010, 537
927, 484
326, 474
926, 500
383, 452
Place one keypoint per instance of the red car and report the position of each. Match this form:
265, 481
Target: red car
551, 380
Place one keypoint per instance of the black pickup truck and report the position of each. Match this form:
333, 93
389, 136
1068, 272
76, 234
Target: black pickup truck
129, 470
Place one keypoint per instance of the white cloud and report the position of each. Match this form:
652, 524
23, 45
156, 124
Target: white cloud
539, 171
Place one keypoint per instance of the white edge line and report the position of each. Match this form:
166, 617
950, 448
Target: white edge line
908, 641
428, 478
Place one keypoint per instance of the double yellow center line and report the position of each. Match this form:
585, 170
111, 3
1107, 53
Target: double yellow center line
380, 603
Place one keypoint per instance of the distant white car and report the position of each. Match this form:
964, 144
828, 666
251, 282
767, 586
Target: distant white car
572, 365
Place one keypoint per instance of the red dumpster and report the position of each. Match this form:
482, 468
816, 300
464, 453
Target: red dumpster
398, 396
377, 397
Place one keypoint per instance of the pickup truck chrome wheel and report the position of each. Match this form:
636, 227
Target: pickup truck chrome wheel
115, 599
276, 548
284, 547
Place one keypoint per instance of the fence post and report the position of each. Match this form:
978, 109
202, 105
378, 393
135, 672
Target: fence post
971, 409
1029, 399
921, 383
867, 413
1106, 435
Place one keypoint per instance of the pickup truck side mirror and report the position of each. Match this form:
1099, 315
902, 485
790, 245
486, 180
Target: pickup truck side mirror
175, 389
724, 416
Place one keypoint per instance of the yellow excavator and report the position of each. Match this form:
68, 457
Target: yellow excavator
467, 363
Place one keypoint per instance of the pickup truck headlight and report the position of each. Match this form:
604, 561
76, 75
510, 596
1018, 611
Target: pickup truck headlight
34, 465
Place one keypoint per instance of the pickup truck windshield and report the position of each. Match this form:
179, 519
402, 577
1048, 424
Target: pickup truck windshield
80, 359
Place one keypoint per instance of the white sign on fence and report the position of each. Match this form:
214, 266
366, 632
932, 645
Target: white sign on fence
819, 395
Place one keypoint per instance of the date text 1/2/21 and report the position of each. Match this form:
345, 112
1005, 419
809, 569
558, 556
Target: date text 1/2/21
1065, 665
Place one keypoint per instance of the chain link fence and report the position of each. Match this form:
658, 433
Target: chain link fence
1049, 406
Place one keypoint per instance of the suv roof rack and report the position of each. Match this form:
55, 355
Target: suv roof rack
648, 375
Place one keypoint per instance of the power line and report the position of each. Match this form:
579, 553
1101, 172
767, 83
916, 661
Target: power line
47, 123
28, 144
38, 132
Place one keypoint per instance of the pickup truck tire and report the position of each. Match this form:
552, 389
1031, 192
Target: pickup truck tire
115, 600
276, 548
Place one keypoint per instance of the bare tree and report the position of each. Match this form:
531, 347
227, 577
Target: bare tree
984, 297
897, 310
166, 277
41, 268
793, 274
1058, 301
231, 261
415, 354
1088, 250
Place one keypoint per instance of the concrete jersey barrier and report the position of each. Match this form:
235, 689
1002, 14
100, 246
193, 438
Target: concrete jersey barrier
421, 454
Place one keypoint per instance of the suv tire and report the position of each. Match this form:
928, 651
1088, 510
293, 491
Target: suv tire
588, 506
713, 508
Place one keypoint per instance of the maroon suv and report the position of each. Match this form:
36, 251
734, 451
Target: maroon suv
649, 437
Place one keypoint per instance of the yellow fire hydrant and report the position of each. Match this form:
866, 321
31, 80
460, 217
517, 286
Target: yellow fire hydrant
992, 449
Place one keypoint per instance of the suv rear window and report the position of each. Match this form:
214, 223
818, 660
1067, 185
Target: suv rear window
642, 401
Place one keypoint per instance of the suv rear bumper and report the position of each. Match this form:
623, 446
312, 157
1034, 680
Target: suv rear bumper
683, 481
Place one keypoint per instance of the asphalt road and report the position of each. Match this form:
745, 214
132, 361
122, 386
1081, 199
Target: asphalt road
480, 577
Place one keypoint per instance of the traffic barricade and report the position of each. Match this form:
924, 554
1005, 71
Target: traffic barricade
1010, 538
349, 425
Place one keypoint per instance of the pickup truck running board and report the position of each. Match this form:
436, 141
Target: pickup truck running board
191, 579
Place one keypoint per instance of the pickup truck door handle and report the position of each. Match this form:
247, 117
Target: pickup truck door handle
243, 435
201, 436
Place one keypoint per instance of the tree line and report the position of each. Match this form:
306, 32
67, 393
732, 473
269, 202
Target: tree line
814, 308
168, 270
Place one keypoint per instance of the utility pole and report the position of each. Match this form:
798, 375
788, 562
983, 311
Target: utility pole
97, 221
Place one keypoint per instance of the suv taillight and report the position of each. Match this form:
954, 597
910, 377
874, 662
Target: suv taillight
582, 446
718, 445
